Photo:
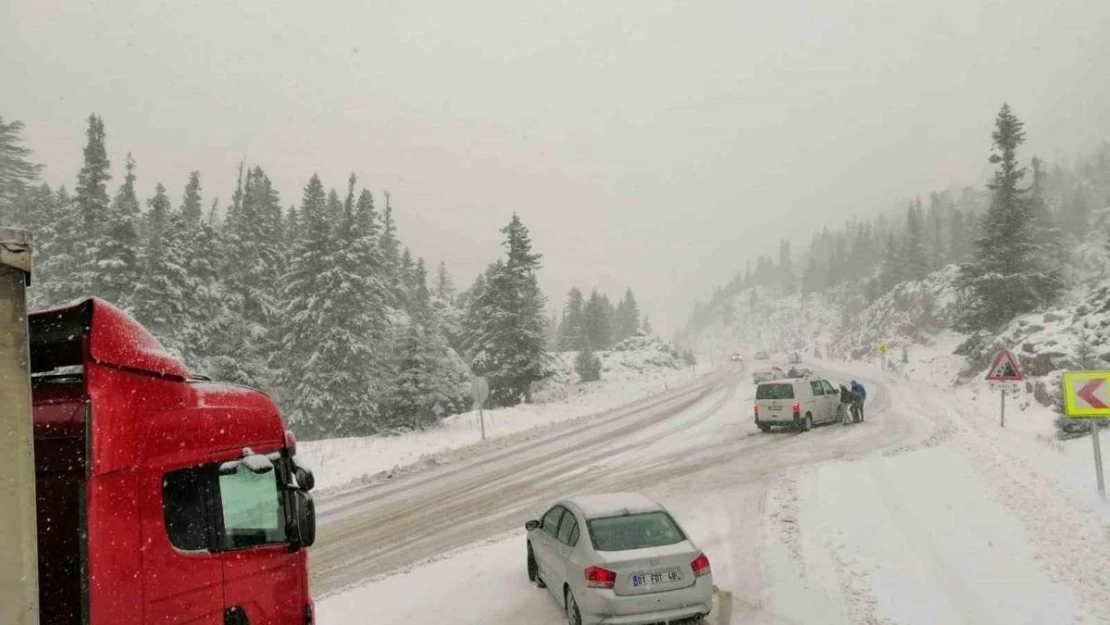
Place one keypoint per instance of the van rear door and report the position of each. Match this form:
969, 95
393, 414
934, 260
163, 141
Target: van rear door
776, 401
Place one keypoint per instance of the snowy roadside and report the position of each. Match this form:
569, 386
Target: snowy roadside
975, 524
344, 463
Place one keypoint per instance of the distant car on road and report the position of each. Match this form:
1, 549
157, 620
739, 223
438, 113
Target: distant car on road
618, 558
765, 375
737, 358
796, 403
762, 356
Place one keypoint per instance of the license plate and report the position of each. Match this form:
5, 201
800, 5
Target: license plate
639, 580
775, 408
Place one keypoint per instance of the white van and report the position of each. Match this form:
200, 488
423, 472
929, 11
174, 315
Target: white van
798, 403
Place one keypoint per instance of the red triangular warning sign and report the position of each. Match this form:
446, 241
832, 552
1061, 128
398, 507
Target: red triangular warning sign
1004, 368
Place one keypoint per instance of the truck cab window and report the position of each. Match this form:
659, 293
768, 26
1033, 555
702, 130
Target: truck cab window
184, 508
253, 509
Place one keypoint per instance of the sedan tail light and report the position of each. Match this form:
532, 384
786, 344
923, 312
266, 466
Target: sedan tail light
700, 565
597, 577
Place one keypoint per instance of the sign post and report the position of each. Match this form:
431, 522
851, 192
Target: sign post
1004, 374
882, 349
479, 390
1087, 396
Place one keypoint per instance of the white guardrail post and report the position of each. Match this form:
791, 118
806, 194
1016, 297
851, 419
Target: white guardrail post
19, 592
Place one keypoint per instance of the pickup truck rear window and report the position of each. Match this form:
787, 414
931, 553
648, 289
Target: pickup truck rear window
775, 391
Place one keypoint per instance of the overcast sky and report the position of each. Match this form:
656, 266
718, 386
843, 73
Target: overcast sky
645, 143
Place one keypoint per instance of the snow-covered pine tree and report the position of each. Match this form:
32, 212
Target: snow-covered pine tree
370, 264
406, 271
893, 268
629, 314
421, 296
914, 254
446, 305
334, 210
1050, 252
17, 172
572, 330
311, 386
253, 260
505, 324
588, 366
191, 210
194, 244
290, 226
346, 310
444, 286
596, 322
1007, 276
93, 206
389, 245
430, 382
117, 270
126, 200
160, 296
57, 241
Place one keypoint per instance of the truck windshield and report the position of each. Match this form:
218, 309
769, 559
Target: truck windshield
253, 509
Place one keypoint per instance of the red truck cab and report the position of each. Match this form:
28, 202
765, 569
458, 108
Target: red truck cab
161, 497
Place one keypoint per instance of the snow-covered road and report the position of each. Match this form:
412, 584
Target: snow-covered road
897, 520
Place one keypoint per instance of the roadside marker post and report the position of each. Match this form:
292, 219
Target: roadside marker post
1087, 396
1004, 374
882, 348
479, 390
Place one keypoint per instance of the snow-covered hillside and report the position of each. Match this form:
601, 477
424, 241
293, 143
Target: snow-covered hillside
755, 319
638, 367
917, 317
834, 324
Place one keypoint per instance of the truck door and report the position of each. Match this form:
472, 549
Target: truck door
263, 582
183, 578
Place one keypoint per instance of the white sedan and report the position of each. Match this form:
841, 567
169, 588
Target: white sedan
619, 559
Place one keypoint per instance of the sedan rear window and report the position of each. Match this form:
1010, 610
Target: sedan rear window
775, 391
634, 531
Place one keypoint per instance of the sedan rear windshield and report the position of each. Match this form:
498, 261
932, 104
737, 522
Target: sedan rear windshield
634, 531
775, 391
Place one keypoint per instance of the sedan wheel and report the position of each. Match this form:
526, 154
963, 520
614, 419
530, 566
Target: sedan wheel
574, 617
533, 570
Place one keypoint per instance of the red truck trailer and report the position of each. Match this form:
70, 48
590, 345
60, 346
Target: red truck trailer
160, 497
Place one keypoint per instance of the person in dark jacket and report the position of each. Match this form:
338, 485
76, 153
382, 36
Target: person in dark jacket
859, 396
842, 409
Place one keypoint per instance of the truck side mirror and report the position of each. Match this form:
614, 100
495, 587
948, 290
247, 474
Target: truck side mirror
304, 518
305, 479
531, 525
